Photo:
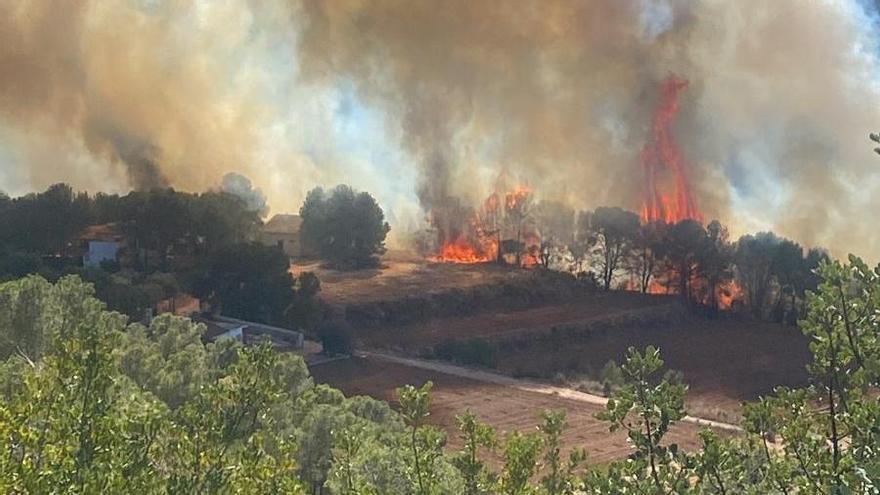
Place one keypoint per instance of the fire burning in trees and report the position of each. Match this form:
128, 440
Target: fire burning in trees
725, 296
667, 191
467, 236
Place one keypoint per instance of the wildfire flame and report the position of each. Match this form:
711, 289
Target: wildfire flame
481, 242
460, 251
514, 199
726, 294
661, 157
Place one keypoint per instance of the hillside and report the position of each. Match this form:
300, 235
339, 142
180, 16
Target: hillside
543, 325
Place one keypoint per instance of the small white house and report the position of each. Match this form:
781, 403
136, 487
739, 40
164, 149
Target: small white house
101, 243
100, 251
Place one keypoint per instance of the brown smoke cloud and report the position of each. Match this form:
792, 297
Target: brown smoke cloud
145, 89
558, 94
553, 93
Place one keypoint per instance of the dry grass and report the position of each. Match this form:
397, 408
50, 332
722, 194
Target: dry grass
724, 362
402, 275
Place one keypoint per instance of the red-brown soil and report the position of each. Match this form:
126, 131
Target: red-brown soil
506, 408
402, 275
724, 362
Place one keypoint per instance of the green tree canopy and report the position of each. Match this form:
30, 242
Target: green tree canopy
247, 281
344, 227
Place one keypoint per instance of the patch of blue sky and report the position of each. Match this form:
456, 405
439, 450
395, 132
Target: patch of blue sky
757, 192
656, 17
864, 19
13, 177
363, 140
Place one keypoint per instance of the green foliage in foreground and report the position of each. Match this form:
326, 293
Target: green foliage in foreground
89, 404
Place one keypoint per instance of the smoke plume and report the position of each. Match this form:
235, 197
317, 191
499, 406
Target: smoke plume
554, 94
559, 93
241, 186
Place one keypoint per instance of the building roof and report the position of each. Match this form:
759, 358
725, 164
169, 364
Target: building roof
214, 327
283, 224
107, 232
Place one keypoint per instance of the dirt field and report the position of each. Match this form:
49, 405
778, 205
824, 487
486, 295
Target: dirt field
724, 362
402, 275
502, 324
506, 408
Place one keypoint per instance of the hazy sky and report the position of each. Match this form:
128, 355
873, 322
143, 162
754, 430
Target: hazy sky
419, 100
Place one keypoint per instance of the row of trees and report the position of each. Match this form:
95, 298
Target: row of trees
342, 225
770, 274
185, 235
202, 244
163, 221
89, 404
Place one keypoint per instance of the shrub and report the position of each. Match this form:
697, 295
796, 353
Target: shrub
336, 338
611, 377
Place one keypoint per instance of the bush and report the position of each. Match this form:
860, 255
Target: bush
336, 338
18, 264
611, 377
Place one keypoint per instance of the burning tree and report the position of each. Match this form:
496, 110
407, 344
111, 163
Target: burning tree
681, 251
500, 226
517, 207
715, 267
463, 235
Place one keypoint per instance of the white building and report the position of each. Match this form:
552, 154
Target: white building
101, 243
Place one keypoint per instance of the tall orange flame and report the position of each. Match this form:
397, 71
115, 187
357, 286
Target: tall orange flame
661, 157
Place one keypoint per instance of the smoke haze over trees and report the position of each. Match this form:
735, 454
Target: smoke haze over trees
420, 103
205, 241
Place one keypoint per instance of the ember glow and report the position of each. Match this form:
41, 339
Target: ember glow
667, 191
515, 199
726, 294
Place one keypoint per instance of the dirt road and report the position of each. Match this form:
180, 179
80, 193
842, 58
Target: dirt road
523, 385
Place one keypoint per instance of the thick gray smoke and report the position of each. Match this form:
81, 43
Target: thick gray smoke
554, 94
